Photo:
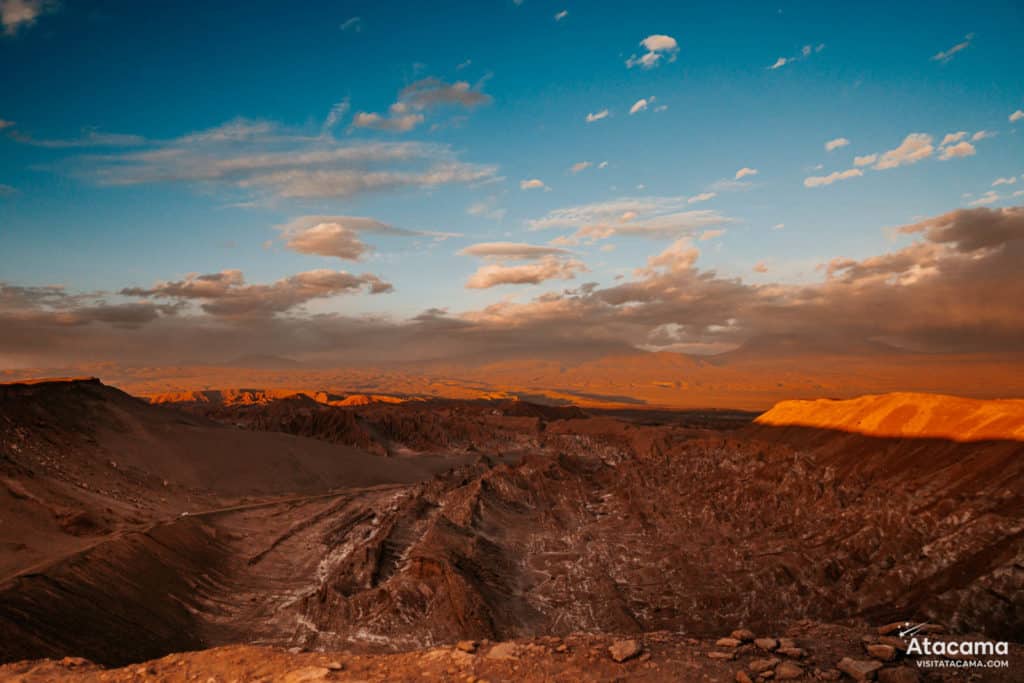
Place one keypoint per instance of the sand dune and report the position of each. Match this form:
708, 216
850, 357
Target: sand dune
906, 415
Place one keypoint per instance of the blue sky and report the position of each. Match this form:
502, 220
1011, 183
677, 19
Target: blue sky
112, 112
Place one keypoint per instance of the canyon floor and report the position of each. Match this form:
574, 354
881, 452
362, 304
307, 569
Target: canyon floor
281, 535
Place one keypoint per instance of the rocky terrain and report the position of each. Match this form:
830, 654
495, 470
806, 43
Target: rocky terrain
809, 652
391, 532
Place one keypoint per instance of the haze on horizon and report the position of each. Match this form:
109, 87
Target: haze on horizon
350, 182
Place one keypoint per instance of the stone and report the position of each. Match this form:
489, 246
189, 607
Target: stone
335, 666
728, 642
742, 677
721, 655
307, 674
827, 675
894, 627
787, 642
859, 669
743, 635
765, 675
562, 647
886, 653
794, 652
767, 644
504, 651
899, 674
621, 650
762, 665
896, 643
466, 645
72, 663
788, 671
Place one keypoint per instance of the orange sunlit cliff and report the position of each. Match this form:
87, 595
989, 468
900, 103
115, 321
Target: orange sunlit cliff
906, 415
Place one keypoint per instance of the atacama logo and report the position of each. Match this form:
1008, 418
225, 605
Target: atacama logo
952, 653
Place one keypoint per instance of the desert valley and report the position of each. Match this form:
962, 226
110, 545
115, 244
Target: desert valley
275, 535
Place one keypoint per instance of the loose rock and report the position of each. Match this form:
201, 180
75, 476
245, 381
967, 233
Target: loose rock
762, 665
788, 671
621, 650
859, 669
897, 643
307, 674
886, 653
728, 642
466, 645
768, 644
743, 635
504, 651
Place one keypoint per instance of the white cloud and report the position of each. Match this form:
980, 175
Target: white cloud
18, 14
532, 184
711, 234
989, 197
702, 197
947, 55
603, 164
340, 236
562, 15
760, 267
744, 172
1004, 181
982, 135
354, 24
597, 116
865, 160
580, 166
395, 122
510, 251
658, 47
278, 163
818, 181
337, 113
226, 294
425, 94
836, 144
805, 52
950, 138
652, 217
914, 147
641, 105
487, 209
778, 226
1016, 116
496, 274
960, 149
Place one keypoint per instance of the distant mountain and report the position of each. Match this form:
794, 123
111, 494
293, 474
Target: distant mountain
767, 347
266, 362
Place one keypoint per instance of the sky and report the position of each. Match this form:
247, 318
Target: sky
393, 181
